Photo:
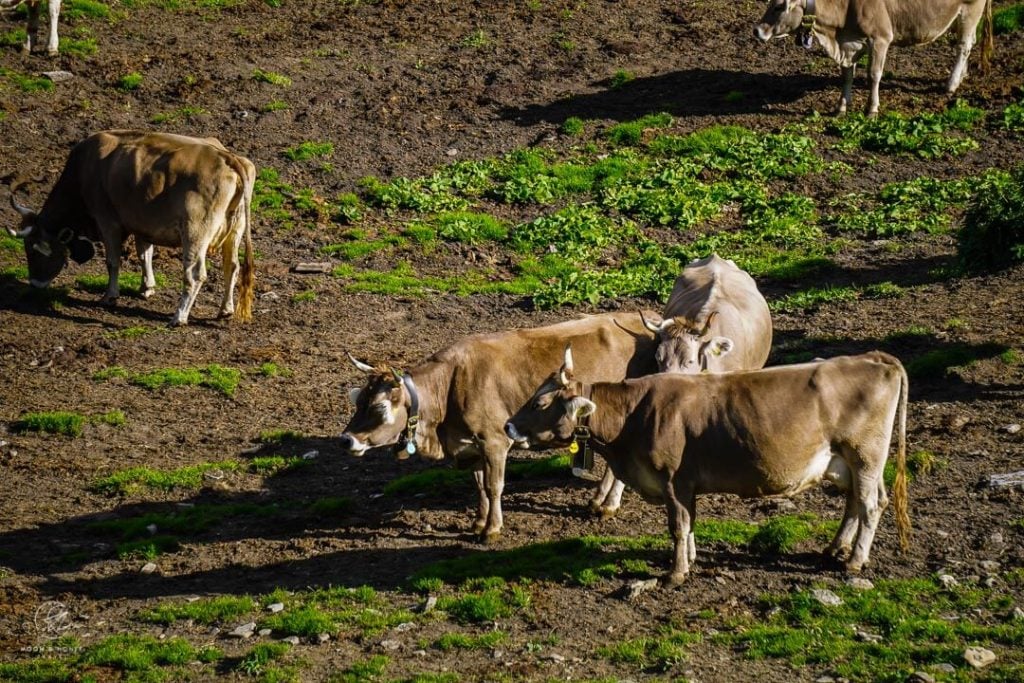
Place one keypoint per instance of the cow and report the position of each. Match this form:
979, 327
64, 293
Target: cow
166, 190
715, 321
771, 432
456, 402
32, 28
849, 28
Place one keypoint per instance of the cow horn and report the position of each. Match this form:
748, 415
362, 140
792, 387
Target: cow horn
707, 323
359, 364
565, 374
649, 325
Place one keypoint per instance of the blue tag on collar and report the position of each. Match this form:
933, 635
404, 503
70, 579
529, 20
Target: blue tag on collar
410, 448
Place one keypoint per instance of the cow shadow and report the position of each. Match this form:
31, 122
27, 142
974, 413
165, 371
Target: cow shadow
691, 92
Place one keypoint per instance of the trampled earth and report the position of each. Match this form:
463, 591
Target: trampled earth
399, 90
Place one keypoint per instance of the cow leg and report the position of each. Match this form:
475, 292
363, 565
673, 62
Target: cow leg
608, 497
112, 247
194, 277
229, 268
879, 50
846, 97
144, 250
970, 15
872, 501
484, 504
32, 29
843, 542
494, 485
680, 506
51, 43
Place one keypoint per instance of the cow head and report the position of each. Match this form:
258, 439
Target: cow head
782, 18
687, 346
553, 413
382, 410
47, 252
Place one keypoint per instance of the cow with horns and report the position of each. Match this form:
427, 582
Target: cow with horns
32, 29
166, 190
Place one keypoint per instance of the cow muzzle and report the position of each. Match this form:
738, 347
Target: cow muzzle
513, 433
353, 446
764, 32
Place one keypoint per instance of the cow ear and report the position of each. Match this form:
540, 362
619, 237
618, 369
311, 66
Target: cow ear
719, 346
81, 250
353, 394
580, 407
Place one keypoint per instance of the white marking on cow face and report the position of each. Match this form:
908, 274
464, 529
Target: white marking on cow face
353, 394
356, 447
781, 18
386, 411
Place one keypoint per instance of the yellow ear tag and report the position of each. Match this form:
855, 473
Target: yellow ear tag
574, 448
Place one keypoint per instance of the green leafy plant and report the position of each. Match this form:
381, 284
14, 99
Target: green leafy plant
992, 236
130, 81
261, 76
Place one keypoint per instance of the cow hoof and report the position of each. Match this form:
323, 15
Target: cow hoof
606, 513
108, 301
674, 579
490, 538
478, 528
223, 315
841, 553
146, 293
855, 567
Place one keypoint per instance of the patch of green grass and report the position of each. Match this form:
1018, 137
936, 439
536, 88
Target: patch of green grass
1008, 19
361, 672
130, 81
657, 653
631, 133
780, 535
80, 9
356, 245
216, 377
279, 436
466, 641
307, 622
309, 150
477, 39
921, 462
621, 77
134, 479
206, 611
128, 283
42, 670
138, 654
573, 126
1011, 357
332, 506
261, 76
56, 422
415, 195
937, 363
269, 465
919, 205
468, 227
184, 113
131, 332
813, 297
305, 297
444, 479
256, 661
926, 135
12, 244
909, 615
496, 600
275, 105
269, 369
26, 84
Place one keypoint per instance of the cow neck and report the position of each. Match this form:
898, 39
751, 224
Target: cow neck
810, 8
427, 387
605, 424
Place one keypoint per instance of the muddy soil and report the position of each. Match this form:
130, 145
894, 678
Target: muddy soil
399, 90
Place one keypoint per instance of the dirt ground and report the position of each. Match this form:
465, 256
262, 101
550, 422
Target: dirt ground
391, 85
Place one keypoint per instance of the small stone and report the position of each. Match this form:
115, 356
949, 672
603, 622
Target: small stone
213, 475
945, 667
1012, 429
58, 76
323, 638
275, 607
920, 677
990, 582
948, 581
405, 626
995, 538
1017, 614
1006, 481
635, 588
242, 114
419, 653
309, 455
826, 597
990, 566
269, 296
152, 529
390, 645
824, 679
955, 423
452, 151
319, 267
428, 605
291, 640
553, 657
860, 584
979, 657
192, 598
243, 631
866, 637
785, 505
148, 568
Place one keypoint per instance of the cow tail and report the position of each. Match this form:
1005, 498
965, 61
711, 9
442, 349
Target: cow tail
247, 292
899, 488
987, 40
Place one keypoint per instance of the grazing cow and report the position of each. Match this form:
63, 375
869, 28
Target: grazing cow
715, 321
767, 432
33, 22
167, 190
849, 28
455, 403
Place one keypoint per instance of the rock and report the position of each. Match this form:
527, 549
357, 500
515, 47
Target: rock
553, 657
405, 626
213, 475
948, 581
979, 657
955, 423
323, 638
452, 152
148, 568
857, 583
1012, 429
635, 588
58, 76
824, 679
309, 455
264, 632
920, 677
1010, 480
275, 607
419, 653
1017, 614
991, 566
866, 637
291, 640
192, 598
945, 667
784, 505
390, 645
428, 605
152, 529
321, 267
269, 296
826, 597
243, 631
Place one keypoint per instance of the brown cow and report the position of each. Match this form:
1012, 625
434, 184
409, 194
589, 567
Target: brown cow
168, 190
771, 432
33, 22
455, 403
849, 28
715, 320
